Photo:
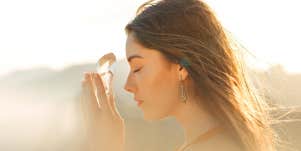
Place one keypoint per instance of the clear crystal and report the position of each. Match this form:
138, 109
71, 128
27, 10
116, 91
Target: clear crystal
103, 68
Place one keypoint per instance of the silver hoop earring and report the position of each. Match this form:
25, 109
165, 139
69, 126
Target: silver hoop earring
182, 92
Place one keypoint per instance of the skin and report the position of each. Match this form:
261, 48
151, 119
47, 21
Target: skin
156, 84
103, 125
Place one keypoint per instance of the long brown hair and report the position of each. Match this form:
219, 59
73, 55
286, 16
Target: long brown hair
188, 29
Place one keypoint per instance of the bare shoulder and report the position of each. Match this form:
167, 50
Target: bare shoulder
221, 141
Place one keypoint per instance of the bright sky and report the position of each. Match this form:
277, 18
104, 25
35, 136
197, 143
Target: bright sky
59, 33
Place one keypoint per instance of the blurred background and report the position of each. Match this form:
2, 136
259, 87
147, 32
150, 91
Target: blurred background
45, 46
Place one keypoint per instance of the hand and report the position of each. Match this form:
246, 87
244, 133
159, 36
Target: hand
103, 124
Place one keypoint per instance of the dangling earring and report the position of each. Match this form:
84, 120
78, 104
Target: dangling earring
182, 92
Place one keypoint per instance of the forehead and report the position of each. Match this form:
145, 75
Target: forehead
132, 46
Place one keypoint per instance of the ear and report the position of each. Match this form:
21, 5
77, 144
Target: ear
182, 71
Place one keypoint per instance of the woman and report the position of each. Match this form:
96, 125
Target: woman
184, 66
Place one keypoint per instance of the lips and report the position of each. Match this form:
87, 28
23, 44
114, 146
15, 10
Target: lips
138, 101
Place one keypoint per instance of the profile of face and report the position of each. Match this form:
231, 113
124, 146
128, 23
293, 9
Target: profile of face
152, 79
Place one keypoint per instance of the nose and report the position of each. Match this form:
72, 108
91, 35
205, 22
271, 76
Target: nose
129, 85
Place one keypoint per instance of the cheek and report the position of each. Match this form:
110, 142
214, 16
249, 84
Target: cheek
161, 89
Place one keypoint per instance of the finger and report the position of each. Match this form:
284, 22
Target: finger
111, 96
87, 116
87, 99
101, 94
94, 105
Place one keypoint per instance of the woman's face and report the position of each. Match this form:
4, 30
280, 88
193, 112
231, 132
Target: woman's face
151, 79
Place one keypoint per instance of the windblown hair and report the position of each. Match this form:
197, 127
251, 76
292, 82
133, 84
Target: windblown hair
189, 29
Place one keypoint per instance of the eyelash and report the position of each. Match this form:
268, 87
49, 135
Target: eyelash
137, 70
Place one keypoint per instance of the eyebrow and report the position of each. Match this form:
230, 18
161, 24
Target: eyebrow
134, 56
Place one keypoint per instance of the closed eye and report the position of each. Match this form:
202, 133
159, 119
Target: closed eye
137, 70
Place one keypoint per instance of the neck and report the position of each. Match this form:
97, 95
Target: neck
194, 120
